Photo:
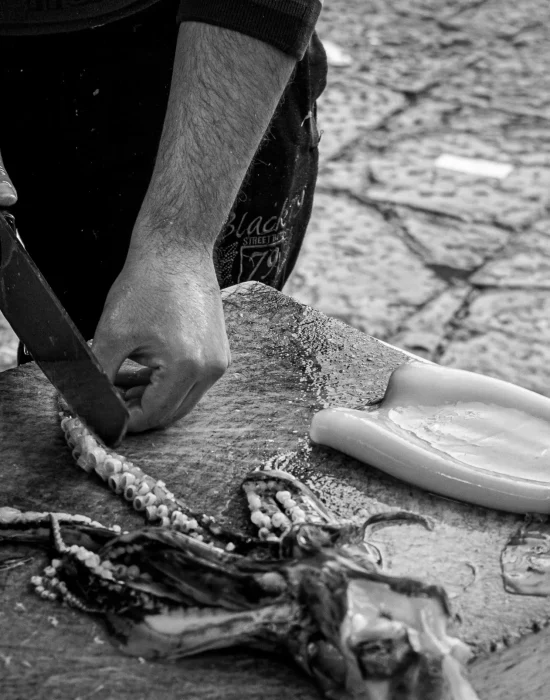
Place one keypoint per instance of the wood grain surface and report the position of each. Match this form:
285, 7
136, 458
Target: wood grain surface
288, 362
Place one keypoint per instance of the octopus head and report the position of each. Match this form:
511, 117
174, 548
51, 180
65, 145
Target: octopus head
375, 637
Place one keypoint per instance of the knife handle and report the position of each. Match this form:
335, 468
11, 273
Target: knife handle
9, 218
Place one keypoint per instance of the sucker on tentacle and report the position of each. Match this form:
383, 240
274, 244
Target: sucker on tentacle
309, 583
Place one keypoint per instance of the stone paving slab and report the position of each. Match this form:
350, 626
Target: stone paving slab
513, 130
431, 8
447, 242
406, 174
413, 60
523, 138
427, 116
399, 168
524, 263
354, 267
338, 21
517, 313
423, 332
500, 79
349, 107
512, 40
504, 18
506, 334
398, 50
348, 172
509, 357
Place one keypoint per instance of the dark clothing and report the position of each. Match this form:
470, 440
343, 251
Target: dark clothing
82, 115
285, 24
23, 17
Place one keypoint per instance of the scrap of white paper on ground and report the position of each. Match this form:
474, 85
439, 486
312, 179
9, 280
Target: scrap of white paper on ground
474, 166
336, 56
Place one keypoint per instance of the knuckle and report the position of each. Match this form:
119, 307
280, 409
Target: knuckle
219, 364
205, 363
219, 368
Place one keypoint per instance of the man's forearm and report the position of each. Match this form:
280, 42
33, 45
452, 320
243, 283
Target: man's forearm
225, 89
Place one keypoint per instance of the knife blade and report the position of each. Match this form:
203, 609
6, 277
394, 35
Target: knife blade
44, 326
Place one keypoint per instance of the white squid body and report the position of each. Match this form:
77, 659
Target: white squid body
452, 432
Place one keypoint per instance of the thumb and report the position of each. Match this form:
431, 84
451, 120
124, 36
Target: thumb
8, 195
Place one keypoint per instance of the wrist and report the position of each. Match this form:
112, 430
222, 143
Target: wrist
171, 238
170, 247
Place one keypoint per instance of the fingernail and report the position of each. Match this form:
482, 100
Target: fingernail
8, 195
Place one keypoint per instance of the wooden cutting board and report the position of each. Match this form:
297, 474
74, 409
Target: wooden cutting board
288, 362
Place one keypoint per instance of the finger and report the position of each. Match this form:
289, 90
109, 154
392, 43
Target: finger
139, 421
171, 394
135, 392
127, 378
8, 195
162, 395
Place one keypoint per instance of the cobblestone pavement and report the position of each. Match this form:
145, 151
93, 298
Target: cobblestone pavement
446, 264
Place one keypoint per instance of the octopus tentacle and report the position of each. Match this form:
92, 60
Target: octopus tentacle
279, 501
148, 495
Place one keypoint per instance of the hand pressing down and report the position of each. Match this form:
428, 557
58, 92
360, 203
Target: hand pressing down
169, 319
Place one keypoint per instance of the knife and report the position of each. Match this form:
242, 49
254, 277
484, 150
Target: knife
45, 328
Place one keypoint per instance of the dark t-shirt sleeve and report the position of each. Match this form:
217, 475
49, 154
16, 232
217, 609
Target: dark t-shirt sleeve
285, 24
